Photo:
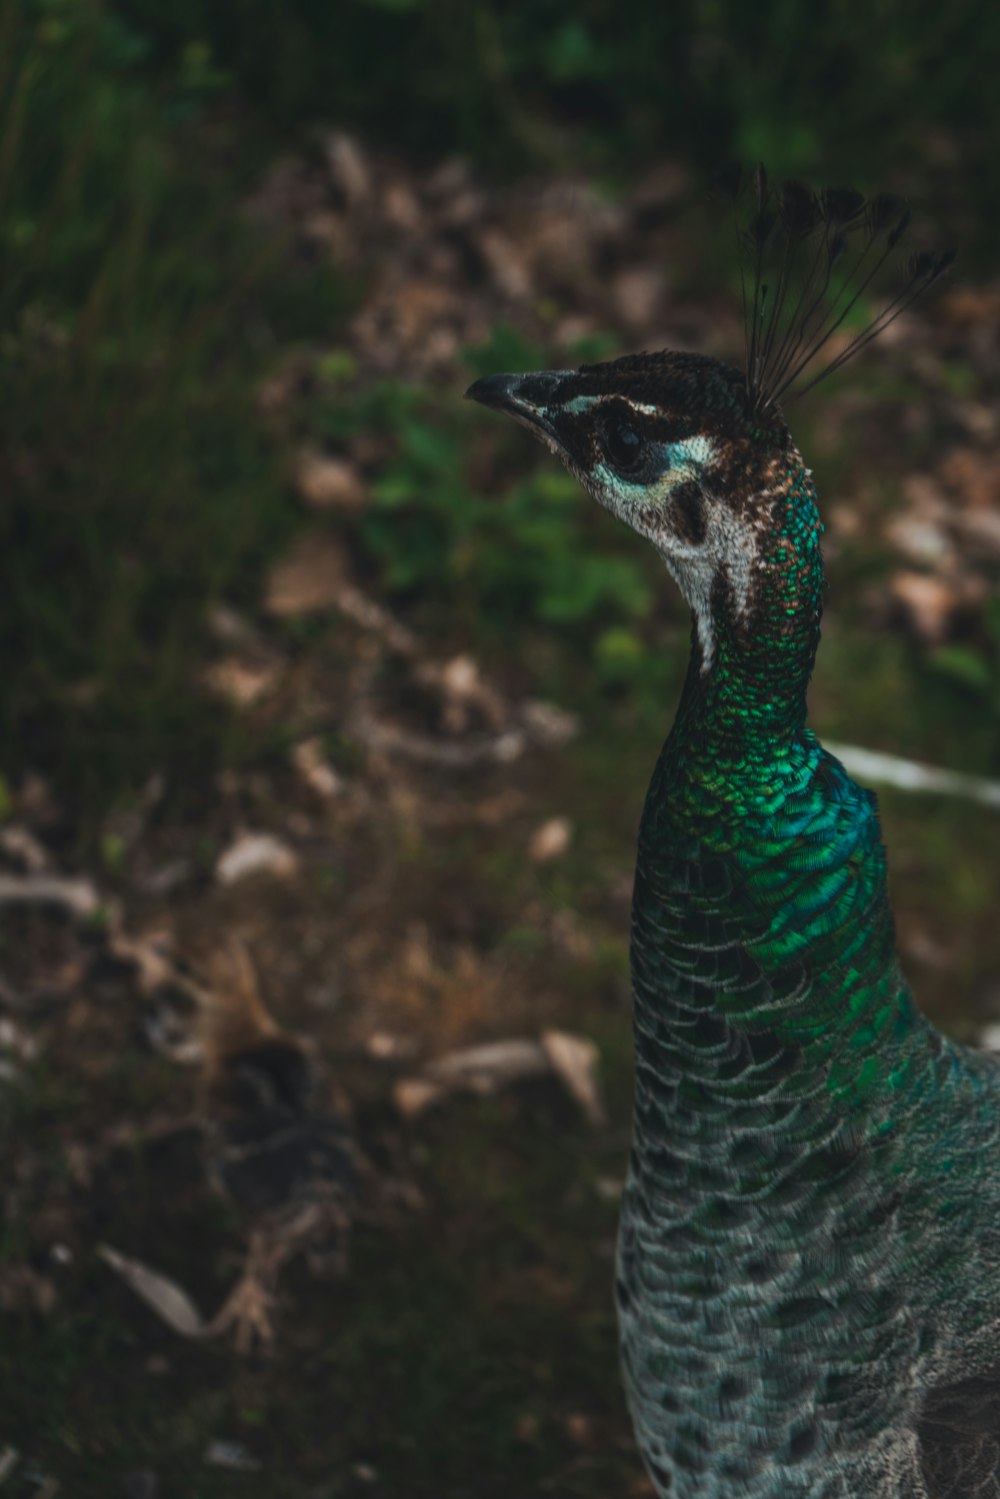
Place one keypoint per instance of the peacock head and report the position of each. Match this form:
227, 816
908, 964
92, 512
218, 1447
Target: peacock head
695, 455
668, 443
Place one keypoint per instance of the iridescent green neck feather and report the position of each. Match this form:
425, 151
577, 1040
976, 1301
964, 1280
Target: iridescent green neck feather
748, 699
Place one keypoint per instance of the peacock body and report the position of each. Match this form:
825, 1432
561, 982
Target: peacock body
808, 1276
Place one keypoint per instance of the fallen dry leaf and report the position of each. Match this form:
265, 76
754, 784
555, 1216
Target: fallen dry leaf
413, 1095
162, 1295
579, 1428
974, 476
21, 1286
79, 896
972, 304
610, 1188
326, 483
240, 682
15, 1039
316, 770
574, 1060
490, 1066
921, 539
385, 1047
347, 165
150, 953
979, 531
232, 1455
308, 579
498, 1064
929, 604
18, 843
550, 840
255, 853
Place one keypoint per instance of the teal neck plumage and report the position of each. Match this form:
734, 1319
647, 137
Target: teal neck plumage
741, 779
743, 709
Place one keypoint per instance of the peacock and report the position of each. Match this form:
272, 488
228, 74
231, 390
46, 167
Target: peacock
808, 1267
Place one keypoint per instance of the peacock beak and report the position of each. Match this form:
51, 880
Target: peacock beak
531, 399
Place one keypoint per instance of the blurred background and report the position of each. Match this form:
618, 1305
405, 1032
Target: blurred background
329, 701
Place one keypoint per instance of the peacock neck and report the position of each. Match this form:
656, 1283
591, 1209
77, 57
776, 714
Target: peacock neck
761, 899
744, 699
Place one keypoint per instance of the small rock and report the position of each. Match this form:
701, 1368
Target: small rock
255, 853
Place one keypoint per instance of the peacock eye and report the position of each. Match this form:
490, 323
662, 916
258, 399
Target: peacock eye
622, 442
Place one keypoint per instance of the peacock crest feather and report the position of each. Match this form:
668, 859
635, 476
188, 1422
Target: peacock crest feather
808, 259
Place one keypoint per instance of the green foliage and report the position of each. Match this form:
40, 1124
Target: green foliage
965, 666
538, 552
137, 483
703, 78
972, 668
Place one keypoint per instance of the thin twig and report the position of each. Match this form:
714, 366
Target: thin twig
911, 775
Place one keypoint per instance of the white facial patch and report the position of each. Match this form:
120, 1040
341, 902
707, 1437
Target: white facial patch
694, 566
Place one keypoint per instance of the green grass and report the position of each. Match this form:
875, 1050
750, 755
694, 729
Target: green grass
139, 485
